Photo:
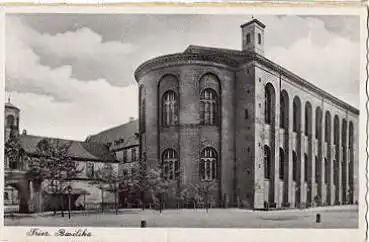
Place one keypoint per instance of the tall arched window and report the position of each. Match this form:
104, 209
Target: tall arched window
317, 169
308, 119
169, 109
259, 38
269, 103
209, 107
344, 163
10, 120
327, 127
296, 114
284, 110
351, 163
344, 133
142, 109
208, 164
281, 163
318, 123
294, 166
326, 169
170, 164
336, 134
306, 167
267, 162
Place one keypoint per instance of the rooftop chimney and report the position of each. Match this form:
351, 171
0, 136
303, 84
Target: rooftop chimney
24, 132
131, 119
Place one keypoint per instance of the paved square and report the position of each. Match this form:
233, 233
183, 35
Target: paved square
332, 217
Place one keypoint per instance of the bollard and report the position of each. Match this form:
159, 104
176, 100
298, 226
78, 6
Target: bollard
143, 223
317, 220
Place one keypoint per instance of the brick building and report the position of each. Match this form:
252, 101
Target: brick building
267, 137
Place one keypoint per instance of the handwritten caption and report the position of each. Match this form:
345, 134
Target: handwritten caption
59, 232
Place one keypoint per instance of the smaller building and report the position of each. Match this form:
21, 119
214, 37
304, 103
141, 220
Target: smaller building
116, 148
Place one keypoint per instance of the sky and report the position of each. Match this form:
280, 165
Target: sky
72, 75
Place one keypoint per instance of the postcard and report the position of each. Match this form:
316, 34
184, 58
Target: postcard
172, 123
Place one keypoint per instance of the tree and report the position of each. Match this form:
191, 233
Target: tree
204, 191
157, 186
52, 162
148, 182
187, 195
110, 180
13, 150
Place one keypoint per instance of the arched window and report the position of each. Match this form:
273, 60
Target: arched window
326, 169
336, 133
308, 118
259, 39
10, 120
269, 103
317, 169
209, 107
351, 143
351, 163
169, 109
318, 123
143, 114
294, 166
248, 38
344, 134
170, 164
142, 109
306, 167
327, 127
281, 163
267, 162
296, 114
284, 110
208, 164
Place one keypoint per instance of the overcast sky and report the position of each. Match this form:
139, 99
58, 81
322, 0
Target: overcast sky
72, 75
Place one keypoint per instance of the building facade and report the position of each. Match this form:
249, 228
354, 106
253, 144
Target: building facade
265, 136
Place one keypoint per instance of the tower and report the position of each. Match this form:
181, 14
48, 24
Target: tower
253, 36
11, 122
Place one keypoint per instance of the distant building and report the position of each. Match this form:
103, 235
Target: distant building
116, 147
265, 136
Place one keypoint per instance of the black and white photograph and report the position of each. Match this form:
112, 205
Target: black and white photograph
142, 120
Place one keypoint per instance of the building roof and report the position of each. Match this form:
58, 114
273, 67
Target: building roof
232, 59
125, 134
78, 150
253, 21
10, 105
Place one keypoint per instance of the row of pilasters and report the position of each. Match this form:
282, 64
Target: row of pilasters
316, 189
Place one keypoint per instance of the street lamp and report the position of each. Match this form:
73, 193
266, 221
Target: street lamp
69, 189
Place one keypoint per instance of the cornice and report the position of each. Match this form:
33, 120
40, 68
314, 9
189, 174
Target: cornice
183, 59
302, 82
231, 60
